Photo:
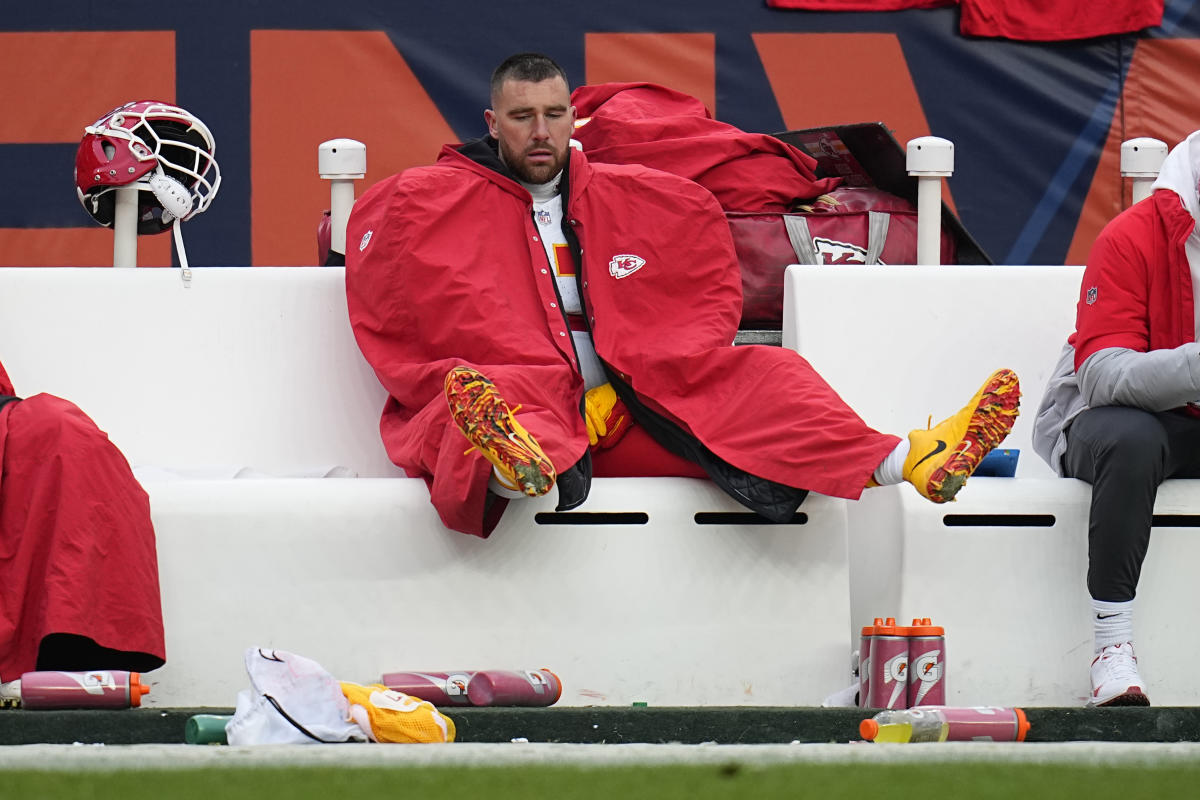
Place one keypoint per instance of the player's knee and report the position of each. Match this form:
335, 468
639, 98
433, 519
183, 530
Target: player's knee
1129, 440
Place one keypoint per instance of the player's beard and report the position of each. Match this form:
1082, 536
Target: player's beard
533, 173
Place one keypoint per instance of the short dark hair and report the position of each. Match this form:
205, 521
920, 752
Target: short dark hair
533, 67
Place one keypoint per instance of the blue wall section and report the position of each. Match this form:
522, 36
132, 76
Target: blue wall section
1028, 120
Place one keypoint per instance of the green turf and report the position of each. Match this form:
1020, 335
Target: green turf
828, 782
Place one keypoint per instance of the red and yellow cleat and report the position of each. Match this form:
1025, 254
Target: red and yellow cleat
491, 427
941, 458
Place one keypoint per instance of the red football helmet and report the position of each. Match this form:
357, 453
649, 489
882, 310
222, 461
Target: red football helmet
156, 144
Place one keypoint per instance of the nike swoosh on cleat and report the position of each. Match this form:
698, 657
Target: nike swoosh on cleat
940, 447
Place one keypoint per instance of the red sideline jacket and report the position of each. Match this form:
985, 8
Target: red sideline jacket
1137, 288
444, 267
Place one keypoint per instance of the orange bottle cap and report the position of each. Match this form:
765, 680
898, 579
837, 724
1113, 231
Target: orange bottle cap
923, 627
868, 729
557, 680
876, 624
1022, 724
890, 628
136, 689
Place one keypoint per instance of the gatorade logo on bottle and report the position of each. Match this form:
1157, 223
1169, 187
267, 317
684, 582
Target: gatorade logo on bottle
928, 670
897, 671
888, 680
93, 682
927, 663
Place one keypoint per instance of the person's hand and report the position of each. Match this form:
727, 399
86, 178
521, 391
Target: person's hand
606, 416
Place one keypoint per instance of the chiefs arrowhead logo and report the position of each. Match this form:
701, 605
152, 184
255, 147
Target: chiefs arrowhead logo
832, 251
624, 265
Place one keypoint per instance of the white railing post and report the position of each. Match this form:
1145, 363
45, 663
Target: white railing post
1141, 159
929, 159
341, 162
125, 222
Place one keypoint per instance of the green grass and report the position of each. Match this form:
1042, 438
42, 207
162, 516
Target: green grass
828, 782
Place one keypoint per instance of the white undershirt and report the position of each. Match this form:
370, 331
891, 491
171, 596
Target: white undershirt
1192, 248
547, 215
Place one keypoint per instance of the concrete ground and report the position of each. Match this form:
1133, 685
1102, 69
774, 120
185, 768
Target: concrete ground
181, 756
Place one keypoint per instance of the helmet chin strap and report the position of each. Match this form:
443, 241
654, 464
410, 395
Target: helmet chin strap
186, 272
177, 202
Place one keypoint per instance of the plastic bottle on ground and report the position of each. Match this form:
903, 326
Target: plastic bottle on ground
946, 724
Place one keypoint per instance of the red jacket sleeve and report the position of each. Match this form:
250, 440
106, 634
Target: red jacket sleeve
1113, 305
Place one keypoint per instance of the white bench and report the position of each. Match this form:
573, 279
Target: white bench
1003, 568
632, 598
250, 367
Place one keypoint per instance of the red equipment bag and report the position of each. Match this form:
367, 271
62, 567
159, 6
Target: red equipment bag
849, 225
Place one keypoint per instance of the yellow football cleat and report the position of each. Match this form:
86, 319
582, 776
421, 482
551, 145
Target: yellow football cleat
941, 458
489, 424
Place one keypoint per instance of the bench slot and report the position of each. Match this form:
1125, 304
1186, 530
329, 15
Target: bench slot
591, 518
998, 520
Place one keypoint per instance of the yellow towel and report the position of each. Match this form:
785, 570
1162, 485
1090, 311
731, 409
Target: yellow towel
396, 717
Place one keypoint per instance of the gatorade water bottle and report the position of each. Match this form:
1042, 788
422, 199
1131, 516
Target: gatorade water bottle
946, 724
864, 663
926, 664
488, 687
493, 687
95, 689
889, 666
439, 688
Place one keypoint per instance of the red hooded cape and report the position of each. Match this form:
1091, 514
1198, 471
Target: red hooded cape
644, 123
77, 553
444, 267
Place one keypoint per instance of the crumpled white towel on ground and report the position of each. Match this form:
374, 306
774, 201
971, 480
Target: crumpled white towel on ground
292, 700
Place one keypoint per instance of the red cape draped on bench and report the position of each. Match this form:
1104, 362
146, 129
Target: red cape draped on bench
77, 551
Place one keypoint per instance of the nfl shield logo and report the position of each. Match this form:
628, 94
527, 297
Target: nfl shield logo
543, 216
1091, 295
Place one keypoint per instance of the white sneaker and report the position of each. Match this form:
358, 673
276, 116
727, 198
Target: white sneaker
843, 698
1115, 678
